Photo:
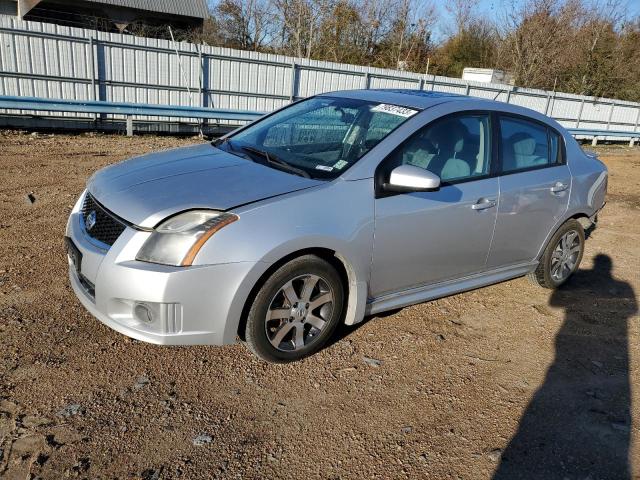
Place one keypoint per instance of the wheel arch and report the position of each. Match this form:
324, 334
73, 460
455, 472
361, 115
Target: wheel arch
355, 289
580, 215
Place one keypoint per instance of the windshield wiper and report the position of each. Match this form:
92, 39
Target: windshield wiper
278, 162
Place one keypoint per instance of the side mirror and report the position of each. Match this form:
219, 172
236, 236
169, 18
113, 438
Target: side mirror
408, 178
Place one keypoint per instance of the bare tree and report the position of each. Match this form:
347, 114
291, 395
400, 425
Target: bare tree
463, 13
537, 37
244, 24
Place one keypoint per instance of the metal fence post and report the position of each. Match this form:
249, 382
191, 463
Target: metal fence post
294, 79
201, 79
546, 106
509, 95
100, 63
467, 90
580, 114
92, 73
204, 79
552, 105
366, 81
613, 105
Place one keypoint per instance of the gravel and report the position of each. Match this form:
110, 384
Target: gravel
141, 382
71, 410
202, 439
372, 362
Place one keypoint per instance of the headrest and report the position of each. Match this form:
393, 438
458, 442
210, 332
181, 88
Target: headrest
448, 135
523, 144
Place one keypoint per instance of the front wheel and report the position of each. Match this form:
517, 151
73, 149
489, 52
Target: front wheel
295, 311
561, 257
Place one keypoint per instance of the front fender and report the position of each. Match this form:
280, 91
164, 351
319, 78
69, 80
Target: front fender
337, 216
356, 265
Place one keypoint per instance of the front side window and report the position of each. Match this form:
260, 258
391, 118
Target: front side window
455, 148
527, 145
320, 137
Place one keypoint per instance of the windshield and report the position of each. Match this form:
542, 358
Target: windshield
320, 137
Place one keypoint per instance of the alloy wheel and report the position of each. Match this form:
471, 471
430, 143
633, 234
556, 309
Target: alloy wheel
298, 312
565, 256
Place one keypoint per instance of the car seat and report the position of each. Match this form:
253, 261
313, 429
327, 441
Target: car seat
439, 150
451, 141
419, 153
523, 147
455, 167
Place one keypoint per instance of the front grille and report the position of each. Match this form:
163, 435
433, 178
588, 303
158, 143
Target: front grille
107, 226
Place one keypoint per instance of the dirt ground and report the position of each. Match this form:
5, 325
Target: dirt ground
507, 382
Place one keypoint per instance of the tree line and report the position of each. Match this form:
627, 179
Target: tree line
587, 47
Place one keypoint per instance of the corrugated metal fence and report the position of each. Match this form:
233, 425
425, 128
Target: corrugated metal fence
51, 61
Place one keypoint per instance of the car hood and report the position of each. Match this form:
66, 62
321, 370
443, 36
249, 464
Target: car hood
147, 189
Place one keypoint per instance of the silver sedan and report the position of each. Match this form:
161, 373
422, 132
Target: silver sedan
336, 207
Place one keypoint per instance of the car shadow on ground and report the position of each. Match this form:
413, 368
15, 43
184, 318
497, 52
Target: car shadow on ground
578, 423
343, 330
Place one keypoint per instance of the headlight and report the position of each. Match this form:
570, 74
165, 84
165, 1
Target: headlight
178, 240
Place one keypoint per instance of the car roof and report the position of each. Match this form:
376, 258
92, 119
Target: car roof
419, 99
424, 99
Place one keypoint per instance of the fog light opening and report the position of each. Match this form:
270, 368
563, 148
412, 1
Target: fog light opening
143, 312
164, 318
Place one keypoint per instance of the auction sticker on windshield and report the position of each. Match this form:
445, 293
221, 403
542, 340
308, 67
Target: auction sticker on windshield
394, 110
340, 164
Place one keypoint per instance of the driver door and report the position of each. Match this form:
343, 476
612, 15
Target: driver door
422, 238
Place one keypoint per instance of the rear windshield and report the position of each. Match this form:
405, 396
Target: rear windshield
321, 136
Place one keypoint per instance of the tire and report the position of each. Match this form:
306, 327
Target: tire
548, 273
295, 311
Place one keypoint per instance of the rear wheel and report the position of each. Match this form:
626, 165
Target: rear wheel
295, 311
561, 257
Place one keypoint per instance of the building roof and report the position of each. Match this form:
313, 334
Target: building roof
185, 8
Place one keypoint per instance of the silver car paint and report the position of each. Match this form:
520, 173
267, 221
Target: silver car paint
293, 214
315, 218
526, 199
119, 278
148, 189
438, 229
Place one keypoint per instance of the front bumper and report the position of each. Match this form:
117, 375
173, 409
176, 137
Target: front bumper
198, 305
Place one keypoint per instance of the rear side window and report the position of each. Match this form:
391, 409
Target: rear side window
527, 145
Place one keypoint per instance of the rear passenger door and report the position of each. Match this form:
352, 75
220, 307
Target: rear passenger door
535, 183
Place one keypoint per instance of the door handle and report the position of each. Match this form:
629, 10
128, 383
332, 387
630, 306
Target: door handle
483, 204
559, 187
